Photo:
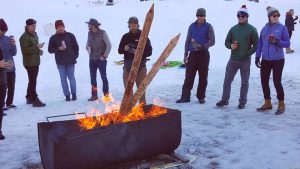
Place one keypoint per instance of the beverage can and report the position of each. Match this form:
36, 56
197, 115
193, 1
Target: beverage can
89, 50
64, 44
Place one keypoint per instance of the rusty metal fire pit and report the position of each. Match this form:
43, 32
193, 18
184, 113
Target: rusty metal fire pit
64, 145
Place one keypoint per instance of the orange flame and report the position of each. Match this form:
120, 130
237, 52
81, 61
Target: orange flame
96, 119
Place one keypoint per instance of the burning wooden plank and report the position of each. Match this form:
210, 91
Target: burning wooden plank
137, 60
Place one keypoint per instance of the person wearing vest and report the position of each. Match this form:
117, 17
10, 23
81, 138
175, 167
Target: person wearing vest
200, 38
127, 46
242, 40
65, 47
98, 47
274, 37
9, 49
31, 50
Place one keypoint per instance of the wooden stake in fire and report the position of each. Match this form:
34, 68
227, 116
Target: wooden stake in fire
137, 60
155, 68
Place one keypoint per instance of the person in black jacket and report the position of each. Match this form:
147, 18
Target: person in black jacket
289, 23
128, 46
65, 47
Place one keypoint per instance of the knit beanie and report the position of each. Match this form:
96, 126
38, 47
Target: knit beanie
3, 26
271, 11
243, 11
201, 11
59, 23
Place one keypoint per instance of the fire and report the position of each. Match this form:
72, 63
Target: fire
112, 116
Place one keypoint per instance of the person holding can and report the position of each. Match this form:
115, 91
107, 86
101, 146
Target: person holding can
65, 47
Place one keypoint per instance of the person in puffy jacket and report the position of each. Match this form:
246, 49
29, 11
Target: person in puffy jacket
242, 41
273, 38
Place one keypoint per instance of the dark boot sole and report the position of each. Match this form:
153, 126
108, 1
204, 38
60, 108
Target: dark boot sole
262, 109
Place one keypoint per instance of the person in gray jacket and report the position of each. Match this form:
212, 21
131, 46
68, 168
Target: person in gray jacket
98, 47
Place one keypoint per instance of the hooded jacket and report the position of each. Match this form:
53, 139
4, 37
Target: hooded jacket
270, 51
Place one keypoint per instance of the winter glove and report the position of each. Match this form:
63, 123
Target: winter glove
295, 23
185, 58
257, 62
272, 39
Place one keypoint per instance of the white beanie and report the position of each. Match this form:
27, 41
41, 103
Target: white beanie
243, 11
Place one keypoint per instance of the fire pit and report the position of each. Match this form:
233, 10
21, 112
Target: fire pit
64, 145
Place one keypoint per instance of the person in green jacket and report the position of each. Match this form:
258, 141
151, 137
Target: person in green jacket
31, 51
242, 40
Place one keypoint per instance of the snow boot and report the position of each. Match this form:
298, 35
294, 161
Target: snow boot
2, 137
38, 103
222, 103
93, 98
281, 108
74, 97
183, 100
289, 50
266, 106
68, 98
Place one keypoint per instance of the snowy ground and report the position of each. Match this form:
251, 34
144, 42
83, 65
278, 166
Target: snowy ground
220, 138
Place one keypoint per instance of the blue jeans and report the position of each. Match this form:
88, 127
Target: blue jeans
231, 69
94, 66
67, 71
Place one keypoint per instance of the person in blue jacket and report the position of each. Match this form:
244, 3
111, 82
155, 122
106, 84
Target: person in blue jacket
273, 38
8, 45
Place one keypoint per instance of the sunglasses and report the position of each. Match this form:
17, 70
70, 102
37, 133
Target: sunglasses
241, 16
200, 15
276, 15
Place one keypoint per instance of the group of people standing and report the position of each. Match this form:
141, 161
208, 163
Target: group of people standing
66, 50
243, 41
